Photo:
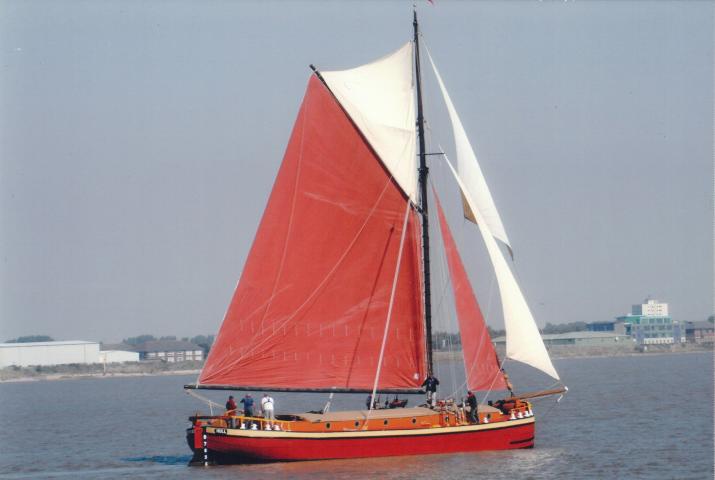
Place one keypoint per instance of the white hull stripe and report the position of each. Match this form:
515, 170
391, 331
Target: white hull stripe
234, 432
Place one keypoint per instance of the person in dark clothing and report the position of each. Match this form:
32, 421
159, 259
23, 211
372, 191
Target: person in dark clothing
472, 402
231, 406
368, 402
430, 385
247, 402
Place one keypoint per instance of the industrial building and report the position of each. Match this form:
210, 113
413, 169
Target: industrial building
170, 351
118, 356
48, 353
700, 332
580, 339
586, 339
650, 324
611, 326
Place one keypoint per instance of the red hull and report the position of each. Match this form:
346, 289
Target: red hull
247, 447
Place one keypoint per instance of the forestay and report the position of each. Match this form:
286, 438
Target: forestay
480, 359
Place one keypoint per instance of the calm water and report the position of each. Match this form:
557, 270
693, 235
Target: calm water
628, 417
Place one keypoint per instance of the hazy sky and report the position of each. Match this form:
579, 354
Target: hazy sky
139, 142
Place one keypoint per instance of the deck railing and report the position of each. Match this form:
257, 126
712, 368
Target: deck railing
243, 422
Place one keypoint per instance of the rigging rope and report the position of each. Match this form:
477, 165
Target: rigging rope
209, 402
446, 278
513, 263
501, 366
469, 369
547, 412
447, 313
389, 311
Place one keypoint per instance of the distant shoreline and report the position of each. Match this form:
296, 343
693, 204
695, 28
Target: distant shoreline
79, 376
112, 370
154, 369
562, 352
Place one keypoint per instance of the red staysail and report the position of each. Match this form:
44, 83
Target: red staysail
480, 359
311, 305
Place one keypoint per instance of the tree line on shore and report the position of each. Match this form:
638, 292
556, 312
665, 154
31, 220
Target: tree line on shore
31, 338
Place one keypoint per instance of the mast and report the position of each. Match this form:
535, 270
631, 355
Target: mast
423, 170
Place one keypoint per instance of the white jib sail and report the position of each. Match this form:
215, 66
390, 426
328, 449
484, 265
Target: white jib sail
469, 170
523, 340
379, 97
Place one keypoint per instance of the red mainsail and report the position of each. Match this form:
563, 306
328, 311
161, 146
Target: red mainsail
310, 309
480, 359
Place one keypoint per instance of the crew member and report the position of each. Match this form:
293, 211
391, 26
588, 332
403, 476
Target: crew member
267, 404
231, 406
430, 385
472, 402
247, 402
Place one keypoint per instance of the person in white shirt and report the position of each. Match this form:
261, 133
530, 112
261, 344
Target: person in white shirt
267, 405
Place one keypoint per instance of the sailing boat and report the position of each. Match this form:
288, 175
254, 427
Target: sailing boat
335, 292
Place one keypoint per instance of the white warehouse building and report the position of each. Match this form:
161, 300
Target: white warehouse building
48, 353
118, 356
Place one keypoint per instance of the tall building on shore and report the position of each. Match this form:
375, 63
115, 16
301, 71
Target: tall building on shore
651, 308
649, 323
